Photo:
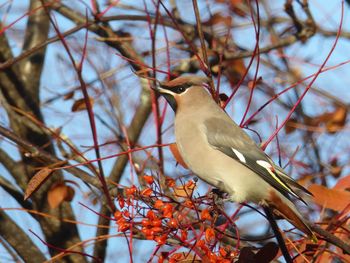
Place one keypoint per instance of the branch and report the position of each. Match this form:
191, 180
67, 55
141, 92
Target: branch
331, 238
36, 32
278, 235
37, 153
17, 195
133, 131
141, 114
19, 240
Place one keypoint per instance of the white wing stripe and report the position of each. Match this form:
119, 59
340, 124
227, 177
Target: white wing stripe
264, 164
239, 155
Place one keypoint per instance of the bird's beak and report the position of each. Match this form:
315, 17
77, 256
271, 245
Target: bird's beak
163, 88
168, 95
163, 91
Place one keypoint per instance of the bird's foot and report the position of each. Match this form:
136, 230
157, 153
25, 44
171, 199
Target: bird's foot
219, 197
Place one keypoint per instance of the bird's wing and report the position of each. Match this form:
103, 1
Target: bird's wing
229, 138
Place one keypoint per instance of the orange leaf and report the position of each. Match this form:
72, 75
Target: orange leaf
343, 183
68, 95
337, 120
170, 182
37, 180
80, 104
334, 121
175, 151
148, 179
234, 70
58, 193
185, 190
238, 7
218, 18
290, 125
70, 193
146, 192
334, 199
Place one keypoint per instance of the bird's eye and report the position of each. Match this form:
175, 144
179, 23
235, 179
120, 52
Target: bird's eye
180, 89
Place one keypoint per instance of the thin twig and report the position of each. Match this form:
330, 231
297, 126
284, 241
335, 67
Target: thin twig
278, 235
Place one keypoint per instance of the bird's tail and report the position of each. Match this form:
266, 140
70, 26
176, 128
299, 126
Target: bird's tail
285, 208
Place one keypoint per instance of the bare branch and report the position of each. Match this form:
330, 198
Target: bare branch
19, 240
36, 33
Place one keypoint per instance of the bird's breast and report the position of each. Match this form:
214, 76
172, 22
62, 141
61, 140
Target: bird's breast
215, 167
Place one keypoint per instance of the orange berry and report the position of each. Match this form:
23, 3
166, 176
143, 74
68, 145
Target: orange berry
145, 222
205, 215
161, 240
151, 215
121, 202
148, 179
167, 208
223, 252
147, 231
209, 234
130, 191
189, 203
156, 222
118, 215
146, 192
184, 235
200, 243
173, 223
123, 227
157, 229
158, 204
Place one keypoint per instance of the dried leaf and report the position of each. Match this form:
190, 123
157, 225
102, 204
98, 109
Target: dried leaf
267, 253
246, 255
290, 126
218, 18
334, 121
70, 194
336, 170
234, 70
80, 104
337, 120
175, 151
36, 181
334, 199
185, 258
343, 183
252, 84
58, 193
68, 95
236, 6
185, 190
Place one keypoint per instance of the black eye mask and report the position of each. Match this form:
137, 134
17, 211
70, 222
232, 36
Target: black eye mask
178, 89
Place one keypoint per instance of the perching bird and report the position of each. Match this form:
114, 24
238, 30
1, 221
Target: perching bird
218, 151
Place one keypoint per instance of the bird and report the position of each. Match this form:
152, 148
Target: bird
223, 155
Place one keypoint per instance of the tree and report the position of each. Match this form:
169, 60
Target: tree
85, 138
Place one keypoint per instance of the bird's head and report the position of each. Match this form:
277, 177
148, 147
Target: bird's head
183, 89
